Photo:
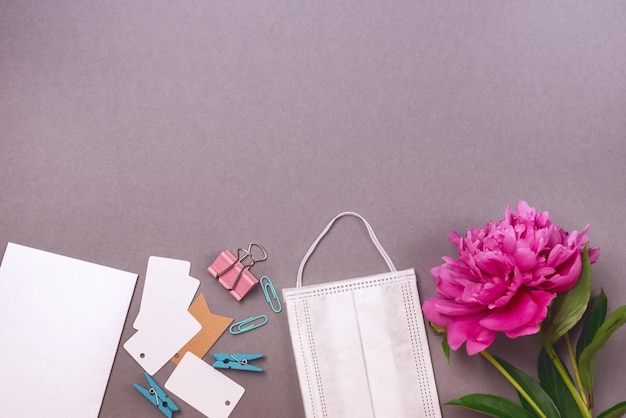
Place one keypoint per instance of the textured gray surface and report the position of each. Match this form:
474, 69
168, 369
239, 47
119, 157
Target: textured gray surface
180, 129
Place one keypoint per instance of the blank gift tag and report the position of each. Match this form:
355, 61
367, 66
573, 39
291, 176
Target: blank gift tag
167, 281
204, 388
159, 339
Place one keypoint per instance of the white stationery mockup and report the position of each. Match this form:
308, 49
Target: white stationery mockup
61, 321
164, 324
168, 284
160, 339
206, 389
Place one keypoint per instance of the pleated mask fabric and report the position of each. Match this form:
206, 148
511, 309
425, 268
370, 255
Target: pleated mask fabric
360, 344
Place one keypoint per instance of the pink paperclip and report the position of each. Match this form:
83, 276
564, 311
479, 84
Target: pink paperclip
234, 272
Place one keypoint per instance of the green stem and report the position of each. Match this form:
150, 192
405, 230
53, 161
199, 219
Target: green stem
516, 385
568, 381
572, 357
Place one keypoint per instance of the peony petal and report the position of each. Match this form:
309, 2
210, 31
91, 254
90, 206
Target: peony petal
523, 210
491, 244
450, 290
525, 258
491, 292
527, 237
468, 330
448, 260
565, 278
560, 254
430, 312
480, 342
555, 236
542, 300
576, 240
520, 310
542, 220
447, 283
509, 240
528, 329
494, 264
594, 254
512, 284
543, 271
541, 239
454, 238
453, 308
508, 216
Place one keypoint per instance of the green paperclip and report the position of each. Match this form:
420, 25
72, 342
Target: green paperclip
267, 286
239, 326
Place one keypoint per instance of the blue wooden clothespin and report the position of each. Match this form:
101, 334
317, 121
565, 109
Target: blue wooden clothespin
236, 362
157, 396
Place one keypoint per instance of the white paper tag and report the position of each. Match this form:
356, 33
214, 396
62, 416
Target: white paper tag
204, 388
167, 281
160, 338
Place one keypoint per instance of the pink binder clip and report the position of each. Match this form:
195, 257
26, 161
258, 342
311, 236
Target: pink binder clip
234, 272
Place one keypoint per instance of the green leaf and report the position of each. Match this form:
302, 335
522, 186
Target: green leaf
533, 389
616, 411
552, 382
596, 317
491, 405
586, 363
437, 328
446, 347
444, 342
568, 308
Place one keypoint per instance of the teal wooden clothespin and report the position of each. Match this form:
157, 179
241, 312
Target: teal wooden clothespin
157, 396
237, 362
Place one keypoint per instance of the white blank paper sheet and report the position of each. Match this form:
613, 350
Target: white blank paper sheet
61, 321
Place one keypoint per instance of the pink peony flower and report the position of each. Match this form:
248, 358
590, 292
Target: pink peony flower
505, 278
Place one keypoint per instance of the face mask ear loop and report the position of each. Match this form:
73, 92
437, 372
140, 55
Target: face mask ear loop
373, 237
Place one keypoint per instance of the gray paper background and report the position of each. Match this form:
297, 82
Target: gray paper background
181, 129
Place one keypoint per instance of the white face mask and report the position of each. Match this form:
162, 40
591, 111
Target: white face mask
360, 344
